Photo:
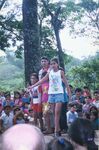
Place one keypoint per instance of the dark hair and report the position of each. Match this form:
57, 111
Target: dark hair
45, 57
94, 113
93, 108
71, 104
59, 144
62, 69
70, 86
86, 87
87, 115
81, 132
78, 90
96, 92
35, 75
7, 94
17, 92
55, 59
43, 74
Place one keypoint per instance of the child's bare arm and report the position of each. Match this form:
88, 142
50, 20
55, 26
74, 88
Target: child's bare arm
66, 84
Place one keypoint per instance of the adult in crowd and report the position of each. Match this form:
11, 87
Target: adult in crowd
23, 137
82, 135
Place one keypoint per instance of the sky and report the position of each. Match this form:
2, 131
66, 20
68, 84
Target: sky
80, 47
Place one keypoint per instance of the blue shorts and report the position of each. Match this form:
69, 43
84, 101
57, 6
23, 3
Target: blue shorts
56, 98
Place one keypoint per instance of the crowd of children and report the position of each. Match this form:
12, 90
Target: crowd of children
43, 100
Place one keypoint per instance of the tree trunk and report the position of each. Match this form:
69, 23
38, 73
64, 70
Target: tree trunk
31, 38
60, 52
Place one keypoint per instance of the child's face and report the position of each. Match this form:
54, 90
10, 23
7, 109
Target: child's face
26, 105
87, 100
44, 63
33, 79
54, 65
17, 95
92, 117
7, 110
31, 113
78, 94
8, 97
96, 96
17, 111
73, 109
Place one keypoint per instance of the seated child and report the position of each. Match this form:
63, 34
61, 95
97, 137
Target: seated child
6, 119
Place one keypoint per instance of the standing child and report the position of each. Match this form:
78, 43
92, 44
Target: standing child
55, 92
47, 113
36, 101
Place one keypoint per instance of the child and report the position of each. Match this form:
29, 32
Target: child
8, 100
71, 114
18, 116
96, 99
86, 106
47, 114
6, 119
30, 117
36, 101
94, 119
17, 99
55, 92
86, 91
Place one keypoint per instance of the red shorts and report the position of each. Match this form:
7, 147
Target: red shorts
37, 108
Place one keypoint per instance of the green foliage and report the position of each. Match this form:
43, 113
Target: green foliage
89, 5
85, 21
11, 77
10, 28
87, 73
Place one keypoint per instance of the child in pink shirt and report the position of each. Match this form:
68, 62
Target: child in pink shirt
47, 114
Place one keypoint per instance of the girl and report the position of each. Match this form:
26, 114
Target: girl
17, 99
55, 92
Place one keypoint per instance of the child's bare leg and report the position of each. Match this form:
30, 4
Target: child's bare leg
57, 116
35, 118
40, 121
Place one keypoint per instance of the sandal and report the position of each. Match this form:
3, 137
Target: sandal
57, 134
48, 132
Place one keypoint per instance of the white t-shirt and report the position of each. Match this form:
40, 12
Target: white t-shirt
55, 82
7, 120
35, 95
71, 116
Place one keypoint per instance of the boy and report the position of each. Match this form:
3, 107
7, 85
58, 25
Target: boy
71, 114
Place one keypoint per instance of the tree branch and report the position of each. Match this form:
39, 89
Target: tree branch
2, 3
46, 6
